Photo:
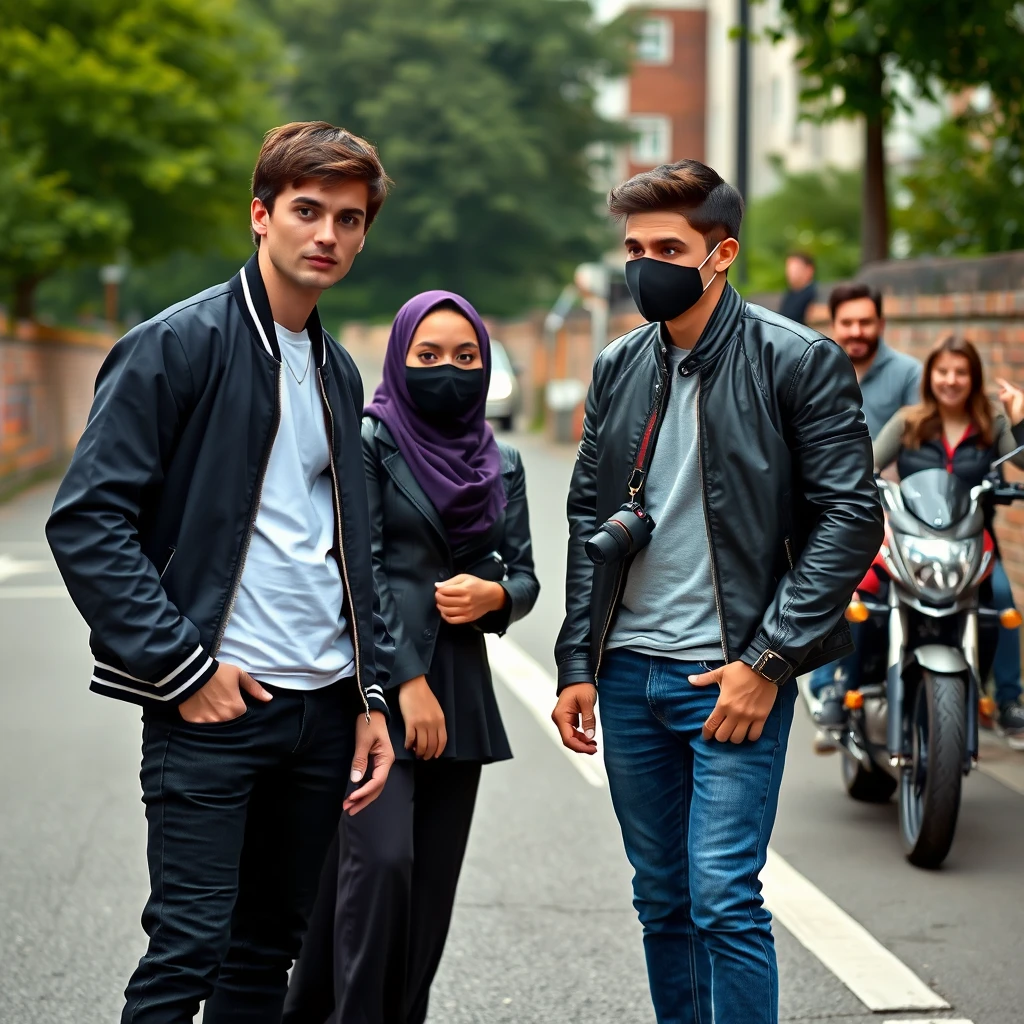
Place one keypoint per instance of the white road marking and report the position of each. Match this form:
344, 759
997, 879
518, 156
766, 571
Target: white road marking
30, 593
874, 975
11, 566
532, 684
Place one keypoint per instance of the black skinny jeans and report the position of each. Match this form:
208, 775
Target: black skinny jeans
381, 919
241, 814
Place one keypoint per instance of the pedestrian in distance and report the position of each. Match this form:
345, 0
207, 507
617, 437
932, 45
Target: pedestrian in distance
721, 512
801, 289
889, 380
213, 530
453, 561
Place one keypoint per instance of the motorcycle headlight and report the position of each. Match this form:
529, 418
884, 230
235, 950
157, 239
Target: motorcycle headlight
940, 569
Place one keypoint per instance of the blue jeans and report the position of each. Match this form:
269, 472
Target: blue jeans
845, 672
696, 816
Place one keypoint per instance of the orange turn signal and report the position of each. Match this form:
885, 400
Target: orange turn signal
856, 611
854, 700
987, 706
1010, 618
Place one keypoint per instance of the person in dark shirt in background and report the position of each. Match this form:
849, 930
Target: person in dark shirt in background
801, 290
889, 380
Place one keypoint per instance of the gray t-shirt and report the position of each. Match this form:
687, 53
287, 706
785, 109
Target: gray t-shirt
668, 607
893, 381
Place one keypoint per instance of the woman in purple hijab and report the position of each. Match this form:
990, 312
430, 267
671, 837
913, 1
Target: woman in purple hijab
452, 561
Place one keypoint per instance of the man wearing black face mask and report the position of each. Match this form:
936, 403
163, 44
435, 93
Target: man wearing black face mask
740, 435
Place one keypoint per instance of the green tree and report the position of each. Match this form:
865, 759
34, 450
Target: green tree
125, 125
849, 50
484, 117
965, 195
815, 212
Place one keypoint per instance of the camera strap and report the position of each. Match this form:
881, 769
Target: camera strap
643, 453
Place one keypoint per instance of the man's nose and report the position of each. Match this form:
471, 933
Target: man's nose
325, 236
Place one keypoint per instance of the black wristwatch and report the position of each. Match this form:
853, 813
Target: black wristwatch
773, 667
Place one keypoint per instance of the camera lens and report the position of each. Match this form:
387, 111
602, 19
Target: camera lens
609, 544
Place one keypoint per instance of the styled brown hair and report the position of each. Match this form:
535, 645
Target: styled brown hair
710, 205
848, 292
317, 150
923, 421
804, 257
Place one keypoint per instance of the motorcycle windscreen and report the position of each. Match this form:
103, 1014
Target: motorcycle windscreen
939, 499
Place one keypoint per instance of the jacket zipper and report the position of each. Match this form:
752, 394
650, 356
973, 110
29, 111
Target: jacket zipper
707, 526
167, 564
253, 513
341, 545
633, 485
789, 554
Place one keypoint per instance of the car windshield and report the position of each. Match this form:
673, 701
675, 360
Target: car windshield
939, 499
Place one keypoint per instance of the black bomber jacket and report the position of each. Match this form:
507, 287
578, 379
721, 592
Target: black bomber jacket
792, 511
153, 519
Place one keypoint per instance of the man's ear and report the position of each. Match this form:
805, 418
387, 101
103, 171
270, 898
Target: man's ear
726, 255
259, 218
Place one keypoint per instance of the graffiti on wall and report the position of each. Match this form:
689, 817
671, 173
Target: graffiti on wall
25, 440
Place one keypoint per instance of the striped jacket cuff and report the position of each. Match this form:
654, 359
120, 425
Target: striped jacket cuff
375, 698
179, 684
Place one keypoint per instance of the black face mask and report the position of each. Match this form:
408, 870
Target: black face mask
444, 393
662, 291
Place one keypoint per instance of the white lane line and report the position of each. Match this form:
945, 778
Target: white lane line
875, 976
533, 685
29, 593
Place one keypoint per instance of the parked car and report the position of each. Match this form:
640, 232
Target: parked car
504, 397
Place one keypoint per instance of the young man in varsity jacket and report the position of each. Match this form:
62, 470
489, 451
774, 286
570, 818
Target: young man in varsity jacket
213, 531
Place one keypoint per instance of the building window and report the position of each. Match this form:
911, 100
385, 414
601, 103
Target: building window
654, 43
653, 142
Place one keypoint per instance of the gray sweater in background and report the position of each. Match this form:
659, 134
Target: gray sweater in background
668, 608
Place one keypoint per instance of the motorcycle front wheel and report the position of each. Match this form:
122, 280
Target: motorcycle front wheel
929, 792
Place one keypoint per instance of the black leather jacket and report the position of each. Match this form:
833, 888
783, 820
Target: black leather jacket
792, 511
410, 551
153, 519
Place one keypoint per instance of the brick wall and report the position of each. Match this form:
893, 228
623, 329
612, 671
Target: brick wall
676, 90
46, 387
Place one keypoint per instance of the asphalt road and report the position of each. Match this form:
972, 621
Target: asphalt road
544, 930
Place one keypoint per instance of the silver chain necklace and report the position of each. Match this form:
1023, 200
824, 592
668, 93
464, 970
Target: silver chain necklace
298, 380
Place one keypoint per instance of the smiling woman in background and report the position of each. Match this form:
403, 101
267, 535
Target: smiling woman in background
452, 560
956, 427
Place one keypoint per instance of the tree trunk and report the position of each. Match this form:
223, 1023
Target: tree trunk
875, 214
24, 298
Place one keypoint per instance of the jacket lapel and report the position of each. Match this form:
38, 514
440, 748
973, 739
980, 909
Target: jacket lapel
398, 469
251, 295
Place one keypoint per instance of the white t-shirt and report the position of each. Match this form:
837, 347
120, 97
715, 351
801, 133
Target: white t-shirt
287, 626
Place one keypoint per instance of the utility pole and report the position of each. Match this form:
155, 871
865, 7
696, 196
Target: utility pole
743, 121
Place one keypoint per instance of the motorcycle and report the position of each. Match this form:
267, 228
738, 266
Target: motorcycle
912, 723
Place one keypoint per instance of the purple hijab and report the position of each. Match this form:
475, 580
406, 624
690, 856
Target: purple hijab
458, 468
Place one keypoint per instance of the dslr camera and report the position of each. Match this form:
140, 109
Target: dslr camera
623, 535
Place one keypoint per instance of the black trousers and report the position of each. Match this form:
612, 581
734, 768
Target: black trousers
378, 930
240, 814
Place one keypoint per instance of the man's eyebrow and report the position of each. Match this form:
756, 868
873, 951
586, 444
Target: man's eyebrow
671, 240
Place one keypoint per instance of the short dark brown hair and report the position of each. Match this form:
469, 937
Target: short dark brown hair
317, 150
848, 292
698, 192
